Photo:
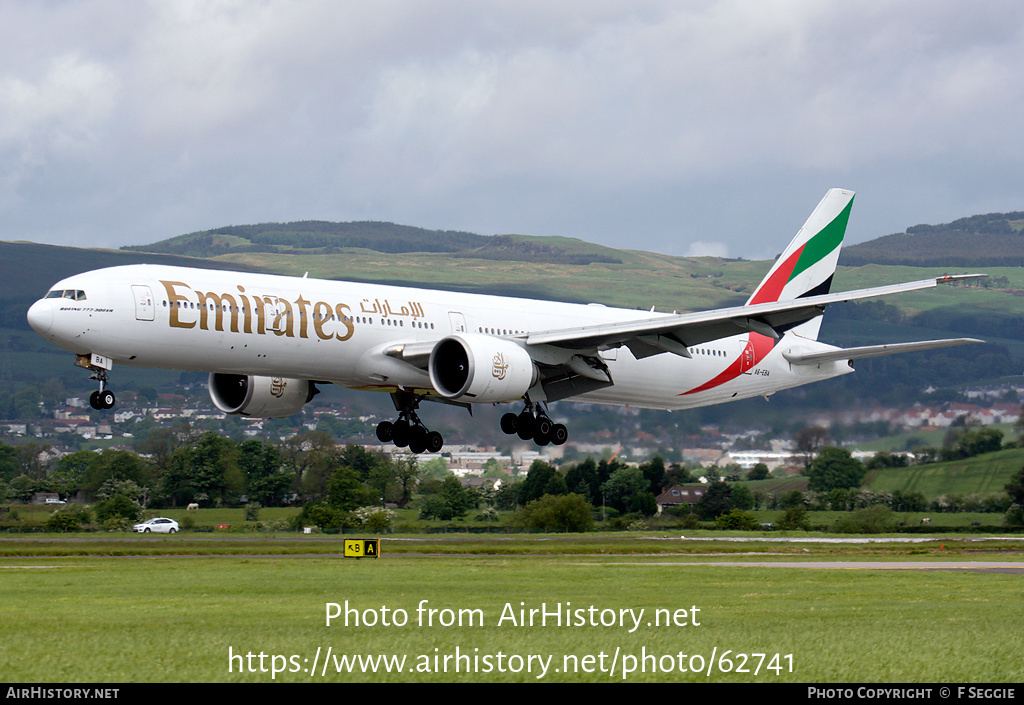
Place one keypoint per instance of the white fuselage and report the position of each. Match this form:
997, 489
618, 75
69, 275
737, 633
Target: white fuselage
256, 324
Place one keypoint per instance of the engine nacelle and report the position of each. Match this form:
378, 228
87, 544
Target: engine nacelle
481, 368
261, 397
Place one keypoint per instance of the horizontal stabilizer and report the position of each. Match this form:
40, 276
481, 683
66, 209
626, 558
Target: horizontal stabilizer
689, 329
873, 350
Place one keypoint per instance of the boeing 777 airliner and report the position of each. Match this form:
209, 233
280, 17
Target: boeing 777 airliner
267, 341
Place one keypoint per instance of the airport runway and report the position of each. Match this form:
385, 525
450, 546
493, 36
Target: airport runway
1010, 567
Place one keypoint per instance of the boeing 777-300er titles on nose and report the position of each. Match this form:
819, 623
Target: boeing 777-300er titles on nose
267, 341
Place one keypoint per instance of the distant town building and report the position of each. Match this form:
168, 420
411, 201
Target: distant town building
680, 494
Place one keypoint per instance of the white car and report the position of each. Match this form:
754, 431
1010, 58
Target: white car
158, 525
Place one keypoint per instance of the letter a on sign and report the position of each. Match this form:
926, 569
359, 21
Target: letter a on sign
357, 548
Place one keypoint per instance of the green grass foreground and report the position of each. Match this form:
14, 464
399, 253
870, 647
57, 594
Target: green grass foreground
180, 618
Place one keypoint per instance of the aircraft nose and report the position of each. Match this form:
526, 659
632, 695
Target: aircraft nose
40, 316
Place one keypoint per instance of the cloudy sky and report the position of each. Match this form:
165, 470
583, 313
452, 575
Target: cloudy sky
678, 127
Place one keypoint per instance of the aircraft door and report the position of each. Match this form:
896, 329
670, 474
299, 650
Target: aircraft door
747, 358
274, 311
458, 322
144, 309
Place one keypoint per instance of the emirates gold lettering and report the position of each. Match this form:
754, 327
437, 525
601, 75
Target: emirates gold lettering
218, 302
264, 309
246, 310
283, 322
217, 311
344, 315
174, 300
302, 303
321, 314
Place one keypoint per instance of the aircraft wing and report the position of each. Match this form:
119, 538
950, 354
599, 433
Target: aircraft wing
675, 333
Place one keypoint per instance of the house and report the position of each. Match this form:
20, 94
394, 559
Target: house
480, 483
678, 495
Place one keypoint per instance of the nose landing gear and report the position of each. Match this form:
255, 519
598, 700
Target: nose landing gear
98, 365
104, 398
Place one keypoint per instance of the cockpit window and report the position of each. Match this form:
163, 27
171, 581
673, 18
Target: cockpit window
73, 294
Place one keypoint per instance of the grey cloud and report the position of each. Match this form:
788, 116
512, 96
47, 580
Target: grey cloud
679, 126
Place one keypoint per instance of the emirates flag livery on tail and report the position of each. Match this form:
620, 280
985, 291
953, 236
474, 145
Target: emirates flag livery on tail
804, 269
268, 341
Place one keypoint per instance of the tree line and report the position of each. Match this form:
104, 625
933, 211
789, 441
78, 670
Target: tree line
335, 485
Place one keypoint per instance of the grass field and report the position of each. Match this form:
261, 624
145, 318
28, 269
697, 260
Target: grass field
983, 474
197, 618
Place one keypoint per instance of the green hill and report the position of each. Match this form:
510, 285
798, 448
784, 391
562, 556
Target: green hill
980, 475
325, 238
313, 236
992, 240
28, 269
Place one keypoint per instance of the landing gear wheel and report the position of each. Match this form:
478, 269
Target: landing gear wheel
107, 399
508, 423
559, 434
435, 442
418, 439
543, 428
525, 424
401, 433
385, 431
102, 400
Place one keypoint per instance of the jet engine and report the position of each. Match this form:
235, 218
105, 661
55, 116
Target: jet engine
261, 397
481, 368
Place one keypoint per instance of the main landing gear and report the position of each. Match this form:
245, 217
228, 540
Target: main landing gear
533, 423
408, 430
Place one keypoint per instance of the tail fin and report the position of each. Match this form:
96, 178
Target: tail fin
806, 267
